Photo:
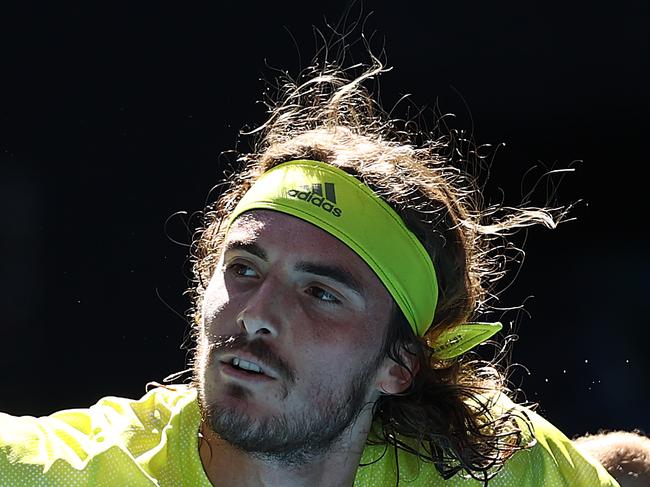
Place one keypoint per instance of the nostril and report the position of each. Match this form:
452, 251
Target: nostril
254, 324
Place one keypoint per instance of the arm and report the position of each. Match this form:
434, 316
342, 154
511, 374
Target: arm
625, 455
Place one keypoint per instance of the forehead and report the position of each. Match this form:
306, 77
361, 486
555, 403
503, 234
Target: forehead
283, 236
289, 235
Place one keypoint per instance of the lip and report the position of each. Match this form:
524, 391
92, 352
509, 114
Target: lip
239, 374
266, 370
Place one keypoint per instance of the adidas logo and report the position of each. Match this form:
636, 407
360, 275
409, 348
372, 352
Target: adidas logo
314, 194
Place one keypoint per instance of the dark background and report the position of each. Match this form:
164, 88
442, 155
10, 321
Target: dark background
113, 118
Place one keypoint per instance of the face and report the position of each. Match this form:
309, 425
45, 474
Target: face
289, 350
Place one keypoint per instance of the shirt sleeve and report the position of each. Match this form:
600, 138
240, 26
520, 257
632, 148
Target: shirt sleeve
152, 441
66, 448
555, 461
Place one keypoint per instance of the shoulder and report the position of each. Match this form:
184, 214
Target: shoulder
109, 417
112, 436
551, 459
547, 457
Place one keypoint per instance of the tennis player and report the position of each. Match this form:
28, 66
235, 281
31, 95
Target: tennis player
339, 284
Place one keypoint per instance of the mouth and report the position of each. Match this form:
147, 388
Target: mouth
246, 365
248, 370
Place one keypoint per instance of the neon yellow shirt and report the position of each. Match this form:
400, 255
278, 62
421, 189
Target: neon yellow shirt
154, 441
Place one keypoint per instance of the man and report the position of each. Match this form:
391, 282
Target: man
335, 284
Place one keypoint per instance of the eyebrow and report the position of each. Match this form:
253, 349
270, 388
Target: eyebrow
336, 273
251, 248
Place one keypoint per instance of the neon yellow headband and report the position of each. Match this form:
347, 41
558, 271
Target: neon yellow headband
344, 207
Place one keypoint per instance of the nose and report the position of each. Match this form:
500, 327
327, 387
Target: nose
261, 314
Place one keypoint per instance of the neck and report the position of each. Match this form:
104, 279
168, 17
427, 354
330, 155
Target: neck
225, 464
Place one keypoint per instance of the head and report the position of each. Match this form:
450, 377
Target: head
336, 355
299, 303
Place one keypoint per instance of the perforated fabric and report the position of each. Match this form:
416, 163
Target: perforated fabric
154, 442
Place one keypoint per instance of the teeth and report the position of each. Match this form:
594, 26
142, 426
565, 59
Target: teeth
246, 365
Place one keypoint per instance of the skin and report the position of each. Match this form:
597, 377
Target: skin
319, 332
625, 455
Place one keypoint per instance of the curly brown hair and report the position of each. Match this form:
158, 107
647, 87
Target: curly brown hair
332, 117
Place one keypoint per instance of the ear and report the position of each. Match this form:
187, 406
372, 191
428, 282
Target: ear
394, 378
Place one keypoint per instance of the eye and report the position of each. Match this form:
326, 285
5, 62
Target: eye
322, 295
240, 269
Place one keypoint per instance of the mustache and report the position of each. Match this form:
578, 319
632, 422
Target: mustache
257, 348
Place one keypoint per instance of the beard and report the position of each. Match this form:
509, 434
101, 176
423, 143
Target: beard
291, 439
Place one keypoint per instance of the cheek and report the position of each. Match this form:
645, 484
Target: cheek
325, 338
337, 337
351, 332
215, 299
339, 350
336, 355
330, 374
